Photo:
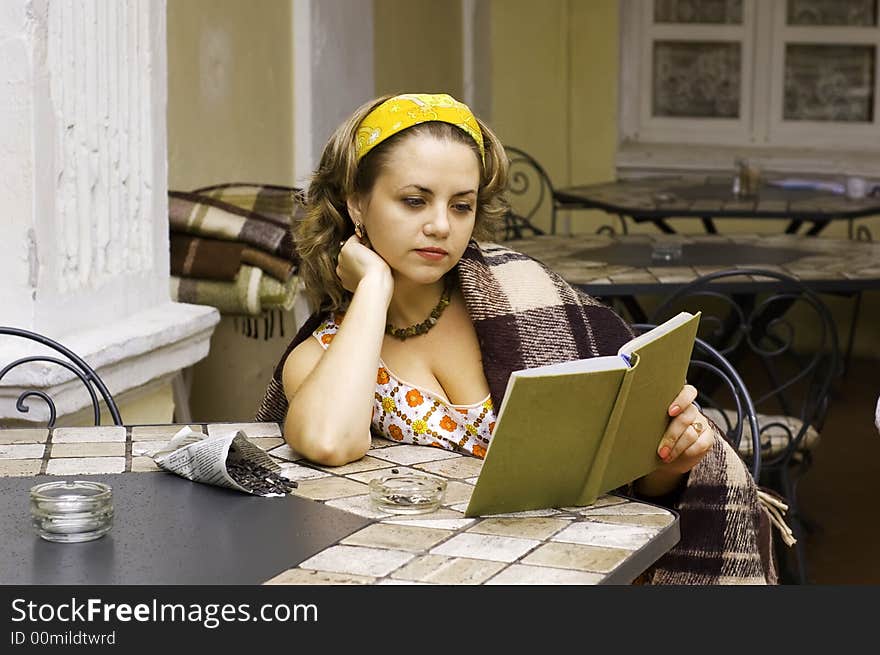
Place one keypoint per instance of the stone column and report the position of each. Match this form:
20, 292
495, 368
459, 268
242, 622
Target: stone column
333, 75
84, 251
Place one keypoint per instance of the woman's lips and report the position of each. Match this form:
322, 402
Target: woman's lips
432, 254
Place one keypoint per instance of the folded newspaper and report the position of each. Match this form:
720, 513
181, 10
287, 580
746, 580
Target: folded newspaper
226, 460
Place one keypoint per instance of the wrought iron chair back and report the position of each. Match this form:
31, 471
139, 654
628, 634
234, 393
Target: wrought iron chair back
792, 396
517, 227
74, 364
731, 395
530, 192
529, 187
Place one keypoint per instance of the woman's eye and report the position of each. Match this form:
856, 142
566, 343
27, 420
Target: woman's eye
414, 202
463, 207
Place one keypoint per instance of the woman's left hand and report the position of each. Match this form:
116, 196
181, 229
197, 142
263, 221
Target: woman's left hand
688, 437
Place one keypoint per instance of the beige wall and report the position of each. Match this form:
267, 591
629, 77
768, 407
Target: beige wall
151, 404
554, 90
230, 92
229, 384
417, 46
530, 80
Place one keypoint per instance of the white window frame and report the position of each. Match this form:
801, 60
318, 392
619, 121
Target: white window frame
818, 133
648, 143
720, 130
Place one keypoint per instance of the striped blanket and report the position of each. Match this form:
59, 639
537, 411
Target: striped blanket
204, 216
249, 293
215, 259
525, 315
231, 248
271, 202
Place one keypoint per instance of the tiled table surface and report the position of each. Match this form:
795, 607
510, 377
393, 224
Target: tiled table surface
831, 262
612, 540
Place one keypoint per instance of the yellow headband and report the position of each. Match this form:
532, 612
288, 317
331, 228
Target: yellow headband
403, 111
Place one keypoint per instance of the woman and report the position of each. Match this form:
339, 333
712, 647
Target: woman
419, 325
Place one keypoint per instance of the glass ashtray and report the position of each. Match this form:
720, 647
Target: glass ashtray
71, 511
407, 494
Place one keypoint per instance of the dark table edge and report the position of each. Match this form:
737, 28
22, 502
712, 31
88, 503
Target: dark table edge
637, 563
571, 201
615, 289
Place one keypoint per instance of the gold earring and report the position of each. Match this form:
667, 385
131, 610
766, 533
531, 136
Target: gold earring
359, 230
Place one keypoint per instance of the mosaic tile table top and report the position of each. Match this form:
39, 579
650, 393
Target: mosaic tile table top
609, 542
628, 264
701, 196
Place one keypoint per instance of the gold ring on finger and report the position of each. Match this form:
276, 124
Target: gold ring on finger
698, 426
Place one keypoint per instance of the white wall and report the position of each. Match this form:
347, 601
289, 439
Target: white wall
84, 247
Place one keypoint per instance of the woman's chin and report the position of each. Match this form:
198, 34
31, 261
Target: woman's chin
422, 275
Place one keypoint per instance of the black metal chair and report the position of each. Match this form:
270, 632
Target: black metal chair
731, 406
74, 364
794, 382
529, 187
530, 191
518, 227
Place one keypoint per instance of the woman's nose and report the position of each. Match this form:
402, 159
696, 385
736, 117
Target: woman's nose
438, 225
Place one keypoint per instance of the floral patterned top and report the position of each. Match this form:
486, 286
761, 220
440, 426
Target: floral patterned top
409, 414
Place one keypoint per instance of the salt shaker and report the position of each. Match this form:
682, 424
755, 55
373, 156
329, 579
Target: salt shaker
739, 177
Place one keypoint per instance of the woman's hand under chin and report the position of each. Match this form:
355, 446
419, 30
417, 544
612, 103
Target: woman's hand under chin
358, 262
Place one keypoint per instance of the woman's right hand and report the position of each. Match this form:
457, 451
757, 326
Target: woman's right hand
357, 262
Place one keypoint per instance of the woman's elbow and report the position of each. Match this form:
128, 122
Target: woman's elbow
326, 451
327, 454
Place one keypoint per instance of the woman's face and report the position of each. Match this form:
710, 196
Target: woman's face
420, 213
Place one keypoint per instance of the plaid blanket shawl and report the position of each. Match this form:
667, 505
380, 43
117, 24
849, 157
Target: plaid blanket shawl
877, 415
525, 315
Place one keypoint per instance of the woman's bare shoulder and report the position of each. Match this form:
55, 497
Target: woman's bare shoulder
299, 364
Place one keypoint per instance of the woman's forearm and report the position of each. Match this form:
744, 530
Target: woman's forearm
329, 416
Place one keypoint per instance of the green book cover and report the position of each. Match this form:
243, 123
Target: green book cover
569, 432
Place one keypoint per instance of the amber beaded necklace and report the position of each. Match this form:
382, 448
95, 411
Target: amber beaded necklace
420, 328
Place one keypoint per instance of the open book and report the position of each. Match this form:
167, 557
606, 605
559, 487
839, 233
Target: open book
567, 433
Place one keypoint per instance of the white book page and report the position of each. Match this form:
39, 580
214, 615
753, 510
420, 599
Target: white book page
606, 363
637, 342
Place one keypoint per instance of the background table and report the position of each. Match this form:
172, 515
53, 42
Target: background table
612, 541
623, 267
657, 199
616, 266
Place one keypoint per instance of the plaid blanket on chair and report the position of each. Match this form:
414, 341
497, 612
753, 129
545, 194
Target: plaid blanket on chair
209, 259
192, 213
248, 294
272, 202
215, 259
526, 315
231, 248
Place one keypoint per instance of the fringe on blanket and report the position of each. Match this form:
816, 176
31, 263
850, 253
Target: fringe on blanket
775, 508
268, 325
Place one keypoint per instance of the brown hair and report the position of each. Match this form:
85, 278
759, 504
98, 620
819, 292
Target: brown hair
340, 176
